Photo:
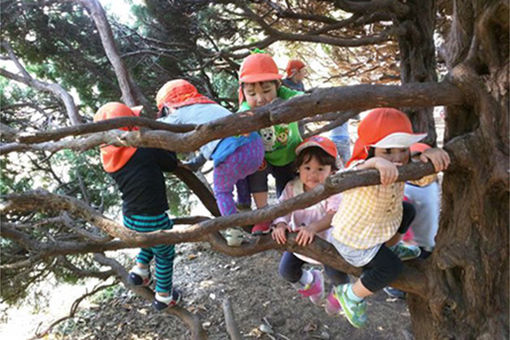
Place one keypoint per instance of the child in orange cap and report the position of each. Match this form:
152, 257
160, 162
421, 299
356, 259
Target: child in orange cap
138, 173
236, 157
316, 160
296, 73
259, 85
370, 220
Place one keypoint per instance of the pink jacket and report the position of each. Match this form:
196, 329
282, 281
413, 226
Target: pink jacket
304, 217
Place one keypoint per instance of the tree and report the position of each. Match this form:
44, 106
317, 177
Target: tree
460, 292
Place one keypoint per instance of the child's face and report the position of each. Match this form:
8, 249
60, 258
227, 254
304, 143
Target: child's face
398, 156
312, 173
259, 94
300, 74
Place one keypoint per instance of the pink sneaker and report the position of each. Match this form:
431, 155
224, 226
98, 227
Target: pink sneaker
315, 290
332, 305
261, 228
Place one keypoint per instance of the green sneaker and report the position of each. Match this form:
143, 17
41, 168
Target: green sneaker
406, 251
355, 312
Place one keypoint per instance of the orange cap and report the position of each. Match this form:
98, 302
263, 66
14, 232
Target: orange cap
293, 65
324, 143
115, 157
256, 68
179, 92
384, 128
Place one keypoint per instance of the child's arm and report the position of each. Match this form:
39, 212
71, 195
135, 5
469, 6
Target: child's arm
387, 170
306, 234
279, 233
438, 157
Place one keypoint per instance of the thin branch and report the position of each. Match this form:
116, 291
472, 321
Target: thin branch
72, 312
55, 89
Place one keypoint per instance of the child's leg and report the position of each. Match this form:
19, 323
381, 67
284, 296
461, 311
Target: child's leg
283, 175
290, 268
258, 187
309, 284
244, 161
337, 277
405, 252
164, 268
243, 193
144, 257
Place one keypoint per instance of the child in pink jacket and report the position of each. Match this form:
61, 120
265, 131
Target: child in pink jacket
316, 160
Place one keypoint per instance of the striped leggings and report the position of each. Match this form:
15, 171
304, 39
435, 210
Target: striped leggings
164, 253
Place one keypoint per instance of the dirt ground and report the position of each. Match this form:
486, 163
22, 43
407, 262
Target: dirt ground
256, 292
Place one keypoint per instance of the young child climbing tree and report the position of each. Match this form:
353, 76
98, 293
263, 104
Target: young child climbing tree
371, 220
316, 160
259, 84
138, 173
235, 157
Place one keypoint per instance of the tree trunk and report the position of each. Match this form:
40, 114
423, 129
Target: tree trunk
468, 273
418, 60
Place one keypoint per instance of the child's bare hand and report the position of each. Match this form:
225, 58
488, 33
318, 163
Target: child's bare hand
305, 236
438, 157
279, 233
387, 170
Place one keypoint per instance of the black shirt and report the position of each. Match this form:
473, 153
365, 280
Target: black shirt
142, 183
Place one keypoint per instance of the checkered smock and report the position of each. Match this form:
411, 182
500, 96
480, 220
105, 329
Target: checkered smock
369, 216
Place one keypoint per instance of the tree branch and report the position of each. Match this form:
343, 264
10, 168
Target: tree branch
55, 89
318, 102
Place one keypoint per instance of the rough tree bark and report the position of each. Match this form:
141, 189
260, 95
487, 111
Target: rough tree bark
418, 60
468, 274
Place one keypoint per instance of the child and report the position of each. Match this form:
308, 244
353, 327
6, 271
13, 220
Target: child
259, 85
316, 160
138, 173
296, 73
425, 197
372, 218
179, 102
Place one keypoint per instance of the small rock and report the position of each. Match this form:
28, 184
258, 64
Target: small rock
206, 324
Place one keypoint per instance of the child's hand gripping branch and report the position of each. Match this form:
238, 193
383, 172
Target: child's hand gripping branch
438, 157
279, 233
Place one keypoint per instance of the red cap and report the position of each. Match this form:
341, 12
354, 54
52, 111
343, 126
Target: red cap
294, 65
177, 93
256, 68
324, 143
115, 157
384, 128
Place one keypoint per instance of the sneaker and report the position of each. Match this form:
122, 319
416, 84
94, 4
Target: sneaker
355, 312
406, 251
394, 292
161, 302
332, 307
234, 237
139, 276
315, 290
261, 228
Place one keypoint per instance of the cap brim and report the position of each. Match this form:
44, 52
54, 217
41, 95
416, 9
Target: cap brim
399, 140
255, 78
137, 109
310, 144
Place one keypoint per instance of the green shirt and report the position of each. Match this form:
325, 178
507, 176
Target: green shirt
280, 141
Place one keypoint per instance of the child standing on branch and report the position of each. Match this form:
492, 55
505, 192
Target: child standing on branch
316, 160
236, 157
138, 173
259, 85
370, 220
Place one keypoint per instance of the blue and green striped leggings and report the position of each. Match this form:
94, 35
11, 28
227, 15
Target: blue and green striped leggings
164, 253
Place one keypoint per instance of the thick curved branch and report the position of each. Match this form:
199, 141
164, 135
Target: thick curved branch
319, 101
